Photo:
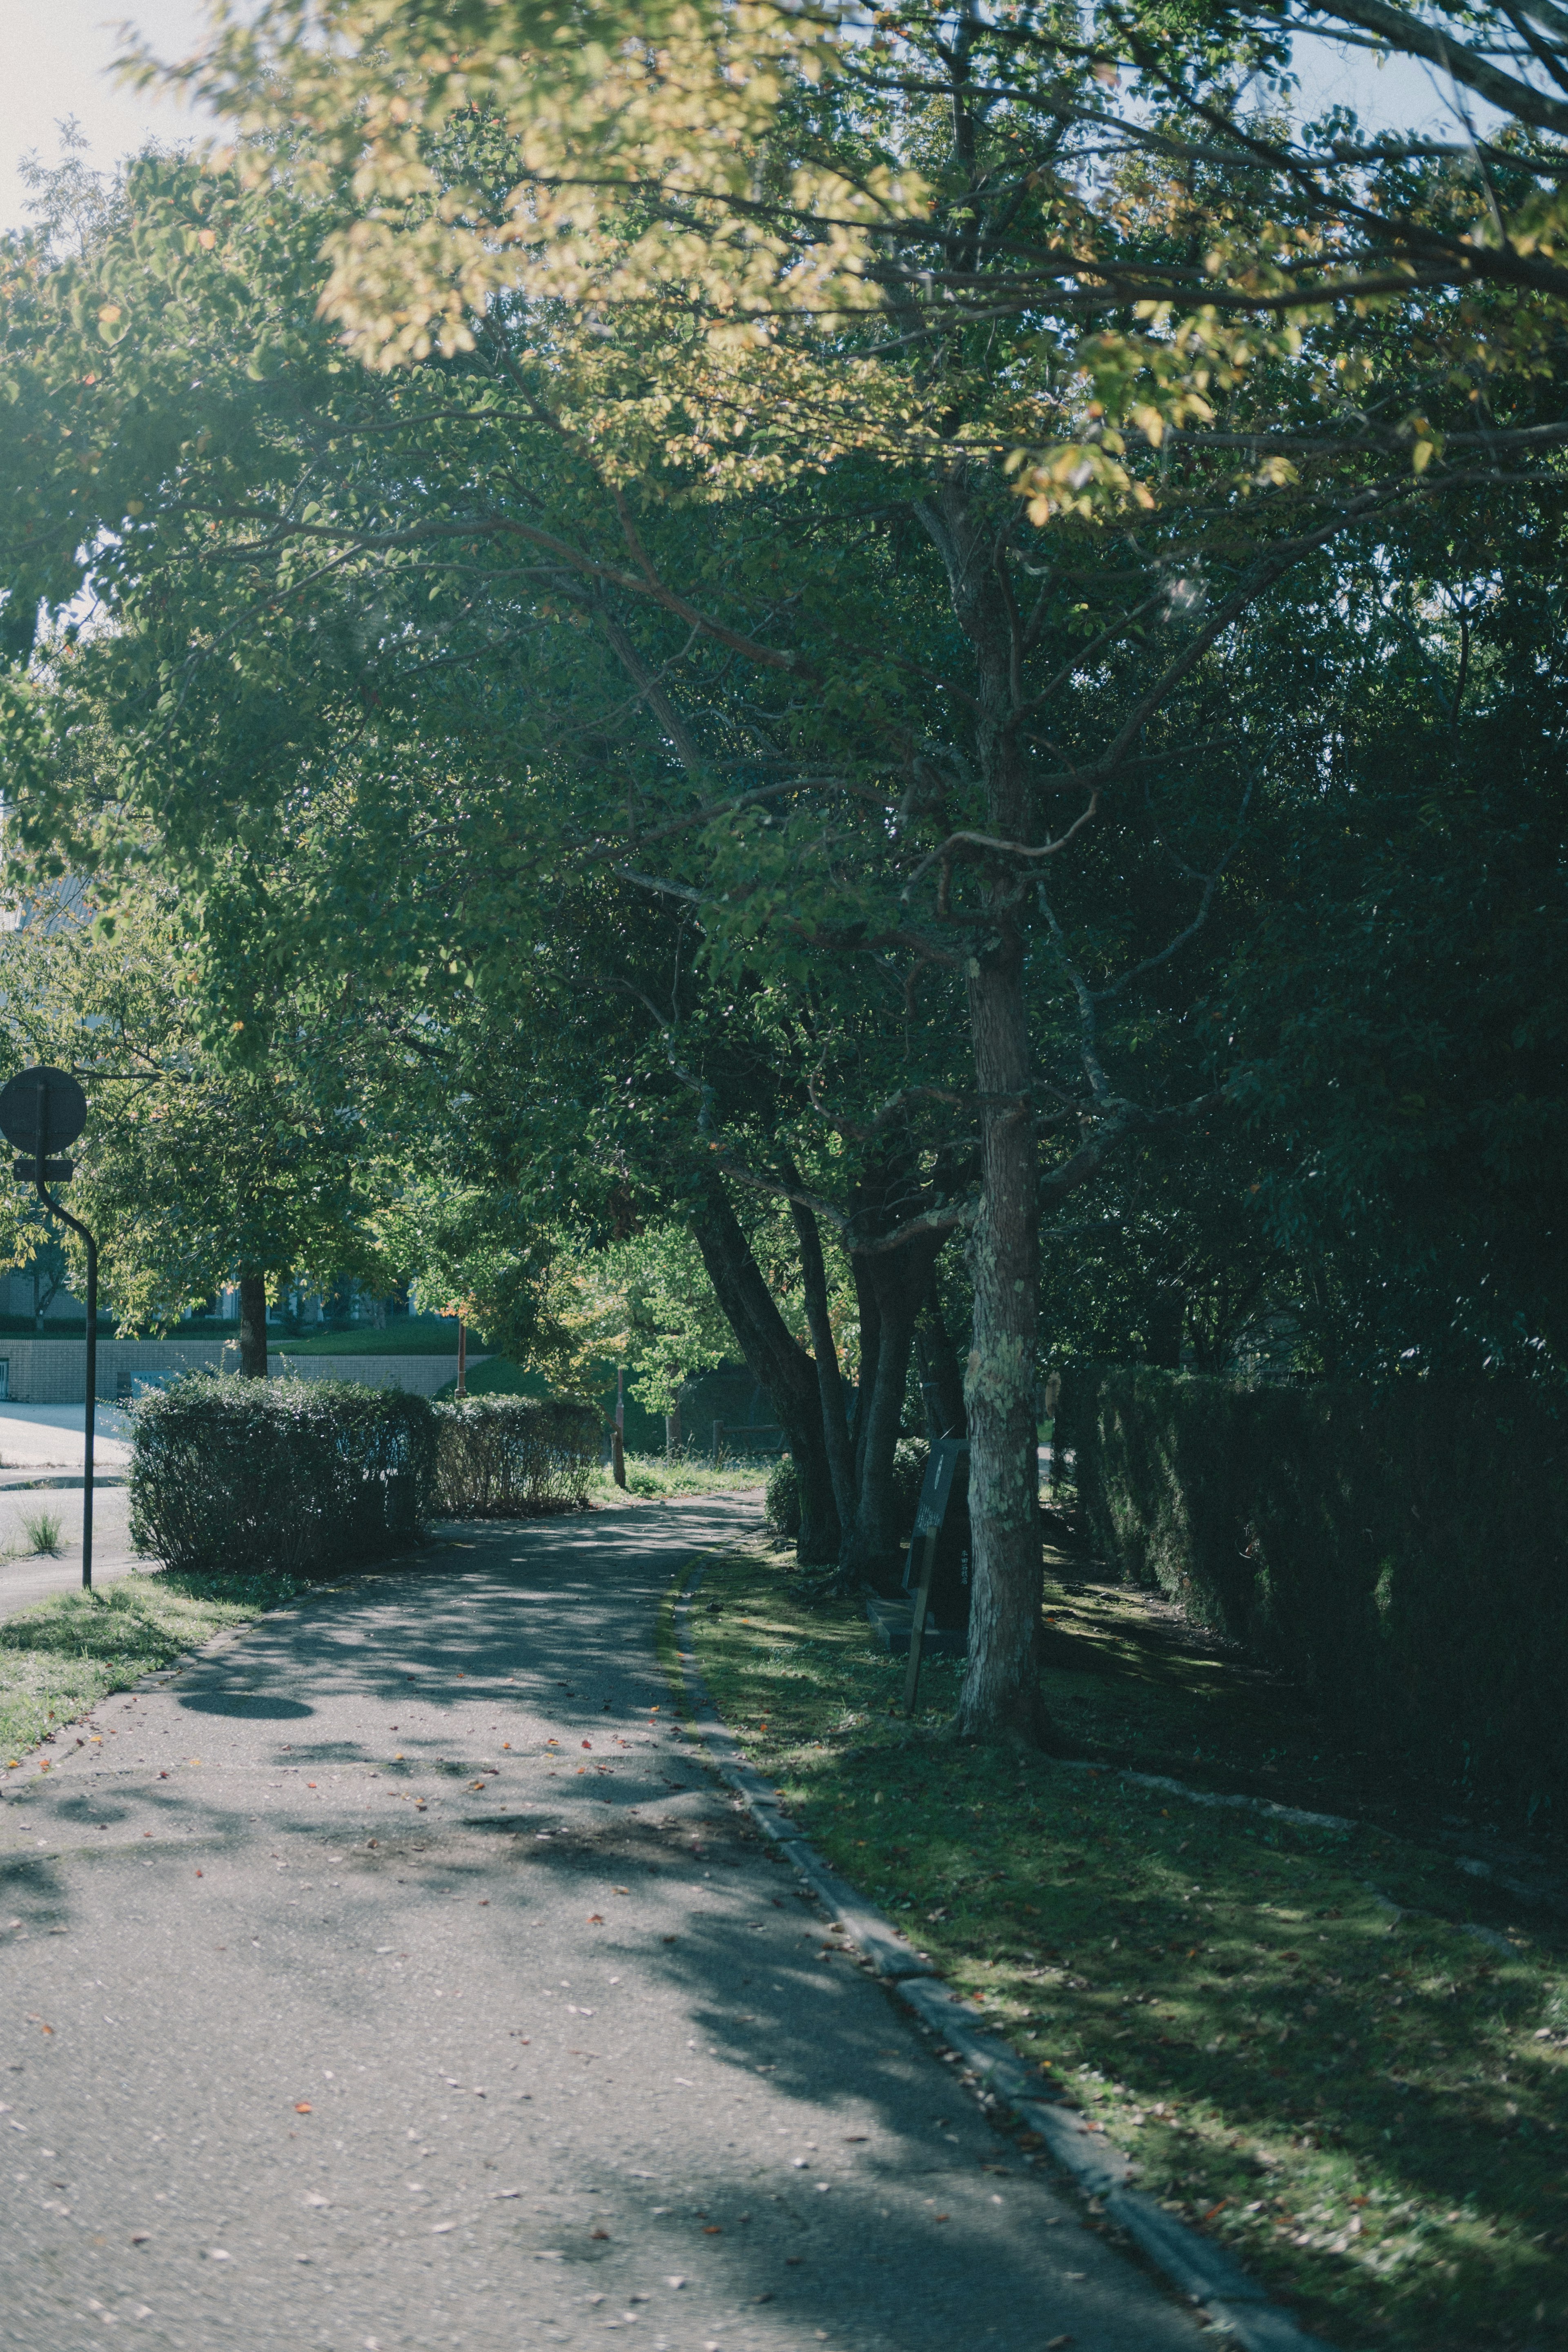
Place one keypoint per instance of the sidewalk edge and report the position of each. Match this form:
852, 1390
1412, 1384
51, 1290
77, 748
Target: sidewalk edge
1205, 2277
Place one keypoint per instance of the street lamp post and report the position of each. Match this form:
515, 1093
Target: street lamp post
42, 1111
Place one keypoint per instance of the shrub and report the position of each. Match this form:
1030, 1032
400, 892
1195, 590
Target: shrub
232, 1474
781, 1503
1399, 1550
511, 1457
780, 1500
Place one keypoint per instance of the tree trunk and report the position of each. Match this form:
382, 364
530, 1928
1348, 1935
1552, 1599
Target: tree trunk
829, 1380
253, 1326
942, 1375
868, 1316
897, 1281
776, 1362
1001, 1693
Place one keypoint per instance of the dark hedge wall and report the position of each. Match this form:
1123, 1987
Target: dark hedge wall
514, 1457
232, 1475
1399, 1550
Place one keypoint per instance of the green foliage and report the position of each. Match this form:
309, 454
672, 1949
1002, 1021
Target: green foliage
780, 1500
236, 1475
1397, 1549
42, 1530
781, 1507
499, 1457
197, 1165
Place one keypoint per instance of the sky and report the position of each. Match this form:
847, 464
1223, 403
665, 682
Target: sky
56, 56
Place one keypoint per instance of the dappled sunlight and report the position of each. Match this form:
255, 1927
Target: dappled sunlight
1322, 2040
496, 1963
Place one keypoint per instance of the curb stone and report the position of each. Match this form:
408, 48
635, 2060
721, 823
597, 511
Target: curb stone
1236, 2306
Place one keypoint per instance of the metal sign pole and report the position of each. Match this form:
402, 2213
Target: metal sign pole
91, 1372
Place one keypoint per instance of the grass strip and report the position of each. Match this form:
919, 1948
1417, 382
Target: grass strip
60, 1656
1331, 2051
651, 1477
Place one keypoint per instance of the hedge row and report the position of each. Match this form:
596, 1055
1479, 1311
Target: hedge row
514, 1457
228, 1473
1399, 1549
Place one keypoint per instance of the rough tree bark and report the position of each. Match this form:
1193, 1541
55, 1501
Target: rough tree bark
942, 1375
253, 1326
897, 1281
1001, 1695
776, 1361
830, 1379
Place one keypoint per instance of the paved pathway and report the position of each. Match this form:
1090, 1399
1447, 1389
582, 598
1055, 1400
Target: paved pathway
27, 1575
337, 2010
49, 1437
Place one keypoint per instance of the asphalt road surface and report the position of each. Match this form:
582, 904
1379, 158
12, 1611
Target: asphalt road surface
339, 2008
27, 1575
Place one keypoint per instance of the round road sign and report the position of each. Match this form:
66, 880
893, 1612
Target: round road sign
42, 1111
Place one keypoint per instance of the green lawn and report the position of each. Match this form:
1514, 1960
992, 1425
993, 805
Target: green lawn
412, 1335
59, 1657
1334, 2051
649, 1475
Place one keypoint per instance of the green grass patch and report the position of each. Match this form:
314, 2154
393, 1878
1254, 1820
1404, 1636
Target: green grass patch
413, 1335
60, 1656
1333, 2051
653, 1477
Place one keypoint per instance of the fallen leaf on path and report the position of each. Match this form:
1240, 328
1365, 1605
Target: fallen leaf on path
712, 2230
599, 2234
302, 2106
596, 1920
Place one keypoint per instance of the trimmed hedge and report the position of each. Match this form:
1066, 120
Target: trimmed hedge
511, 1457
232, 1474
1399, 1549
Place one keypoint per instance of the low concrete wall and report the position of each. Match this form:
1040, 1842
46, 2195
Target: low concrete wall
53, 1371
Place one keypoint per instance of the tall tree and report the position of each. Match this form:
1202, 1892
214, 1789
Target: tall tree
902, 675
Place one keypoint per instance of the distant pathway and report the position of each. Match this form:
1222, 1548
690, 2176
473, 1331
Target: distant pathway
333, 2014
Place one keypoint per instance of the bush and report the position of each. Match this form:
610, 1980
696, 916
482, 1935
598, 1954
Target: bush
780, 1500
511, 1457
1399, 1549
231, 1475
